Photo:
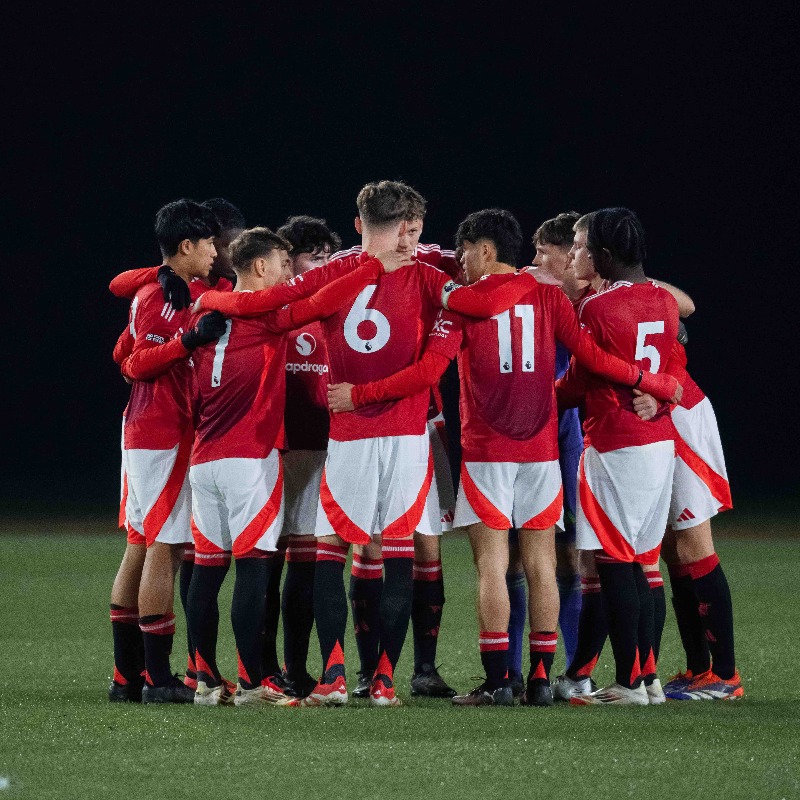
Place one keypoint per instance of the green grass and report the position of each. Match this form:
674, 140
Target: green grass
60, 738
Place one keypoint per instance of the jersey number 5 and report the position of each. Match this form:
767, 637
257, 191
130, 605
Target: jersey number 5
648, 350
525, 313
359, 314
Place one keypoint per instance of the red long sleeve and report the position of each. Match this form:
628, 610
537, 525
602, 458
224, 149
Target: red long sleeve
126, 284
148, 362
246, 304
124, 346
409, 381
571, 388
466, 300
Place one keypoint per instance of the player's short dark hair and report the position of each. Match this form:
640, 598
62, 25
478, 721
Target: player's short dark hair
383, 202
617, 230
229, 217
309, 235
255, 243
183, 219
558, 231
498, 226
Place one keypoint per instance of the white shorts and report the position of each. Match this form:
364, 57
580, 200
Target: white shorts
302, 473
237, 505
503, 495
441, 470
623, 499
382, 486
700, 488
158, 503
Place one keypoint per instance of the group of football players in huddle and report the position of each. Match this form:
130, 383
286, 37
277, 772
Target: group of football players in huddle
289, 400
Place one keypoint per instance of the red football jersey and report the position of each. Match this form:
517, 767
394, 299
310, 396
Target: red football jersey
639, 323
158, 410
692, 393
431, 254
307, 419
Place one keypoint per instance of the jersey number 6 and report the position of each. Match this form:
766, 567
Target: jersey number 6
359, 314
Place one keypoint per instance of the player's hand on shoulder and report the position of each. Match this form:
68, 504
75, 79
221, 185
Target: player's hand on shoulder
174, 288
208, 329
392, 260
542, 276
340, 397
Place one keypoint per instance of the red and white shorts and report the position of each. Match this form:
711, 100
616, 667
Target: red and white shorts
441, 471
302, 474
382, 486
503, 495
700, 488
623, 499
237, 505
156, 495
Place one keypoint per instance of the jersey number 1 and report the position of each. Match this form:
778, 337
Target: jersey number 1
219, 355
525, 313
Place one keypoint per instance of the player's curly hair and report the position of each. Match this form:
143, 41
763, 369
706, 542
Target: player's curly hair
498, 226
183, 219
229, 217
255, 243
558, 231
309, 235
383, 202
617, 231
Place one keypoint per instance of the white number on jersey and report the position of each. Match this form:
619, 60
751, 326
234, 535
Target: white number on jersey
648, 350
360, 313
219, 355
525, 313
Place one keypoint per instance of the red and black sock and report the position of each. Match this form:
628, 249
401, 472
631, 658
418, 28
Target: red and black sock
158, 631
184, 581
494, 657
647, 626
656, 583
247, 615
592, 630
621, 602
687, 615
272, 613
426, 611
330, 602
202, 611
396, 599
366, 589
297, 606
543, 650
128, 645
716, 613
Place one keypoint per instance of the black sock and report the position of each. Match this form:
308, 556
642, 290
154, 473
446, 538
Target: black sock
592, 630
398, 591
716, 614
543, 649
330, 603
128, 644
621, 602
297, 606
426, 611
647, 626
158, 631
656, 583
202, 615
366, 588
272, 613
494, 657
184, 581
690, 626
247, 617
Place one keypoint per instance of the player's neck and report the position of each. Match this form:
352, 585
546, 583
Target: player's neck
498, 268
250, 283
374, 242
179, 267
628, 274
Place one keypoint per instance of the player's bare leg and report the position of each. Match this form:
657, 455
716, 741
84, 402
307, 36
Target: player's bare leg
704, 611
426, 617
126, 685
366, 589
538, 552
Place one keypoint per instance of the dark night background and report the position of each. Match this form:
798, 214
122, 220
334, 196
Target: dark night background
688, 115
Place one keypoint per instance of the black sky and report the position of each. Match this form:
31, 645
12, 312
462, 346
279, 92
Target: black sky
689, 115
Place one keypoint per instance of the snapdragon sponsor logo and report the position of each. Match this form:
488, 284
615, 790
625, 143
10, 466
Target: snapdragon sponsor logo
306, 344
294, 367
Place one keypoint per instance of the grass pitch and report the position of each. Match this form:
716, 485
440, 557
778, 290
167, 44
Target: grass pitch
60, 738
